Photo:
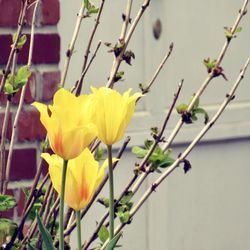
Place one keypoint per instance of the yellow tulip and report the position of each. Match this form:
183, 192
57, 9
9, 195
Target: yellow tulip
113, 113
83, 177
68, 123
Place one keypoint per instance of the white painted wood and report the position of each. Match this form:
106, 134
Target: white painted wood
209, 207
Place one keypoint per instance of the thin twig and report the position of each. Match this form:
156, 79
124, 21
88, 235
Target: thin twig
168, 54
70, 50
117, 60
87, 51
126, 20
182, 156
87, 67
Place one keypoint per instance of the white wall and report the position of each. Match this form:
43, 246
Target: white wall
209, 207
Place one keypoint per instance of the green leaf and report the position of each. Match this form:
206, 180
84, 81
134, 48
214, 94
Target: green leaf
103, 234
22, 76
139, 152
47, 239
91, 9
8, 88
7, 202
125, 199
99, 154
238, 30
181, 108
111, 245
202, 111
21, 42
166, 163
31, 247
124, 216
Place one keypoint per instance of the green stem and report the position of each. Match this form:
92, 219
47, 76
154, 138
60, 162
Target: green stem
61, 212
111, 194
78, 224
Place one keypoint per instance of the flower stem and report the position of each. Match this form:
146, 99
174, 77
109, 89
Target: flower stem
78, 222
111, 194
61, 212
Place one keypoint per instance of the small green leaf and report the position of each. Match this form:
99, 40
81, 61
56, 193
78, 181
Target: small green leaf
7, 202
238, 30
139, 152
125, 199
200, 110
21, 42
99, 154
124, 216
166, 163
181, 108
8, 88
111, 245
47, 239
22, 76
103, 234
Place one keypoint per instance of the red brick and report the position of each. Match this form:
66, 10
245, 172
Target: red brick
49, 13
30, 127
50, 81
9, 128
46, 49
9, 213
12, 9
23, 165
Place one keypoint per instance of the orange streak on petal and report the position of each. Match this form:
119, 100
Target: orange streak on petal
58, 147
84, 193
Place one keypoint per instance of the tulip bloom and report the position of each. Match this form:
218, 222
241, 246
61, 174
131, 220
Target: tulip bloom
113, 113
68, 123
83, 177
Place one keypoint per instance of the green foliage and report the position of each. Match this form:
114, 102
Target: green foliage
7, 202
7, 228
91, 9
99, 154
229, 34
118, 77
112, 244
103, 234
191, 116
14, 83
210, 64
158, 159
124, 206
21, 42
32, 243
47, 239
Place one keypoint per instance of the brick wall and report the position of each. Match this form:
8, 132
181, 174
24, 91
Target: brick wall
41, 87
